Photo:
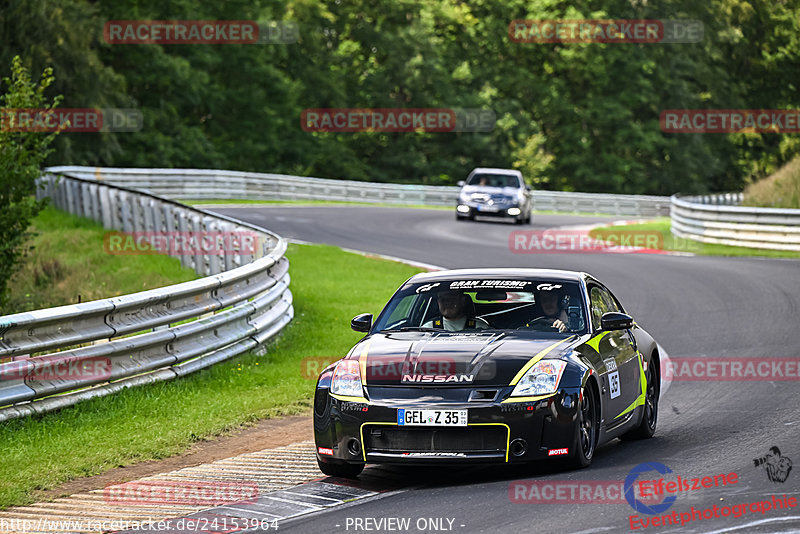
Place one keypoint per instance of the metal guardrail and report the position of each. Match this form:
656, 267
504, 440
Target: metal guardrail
202, 184
717, 219
145, 337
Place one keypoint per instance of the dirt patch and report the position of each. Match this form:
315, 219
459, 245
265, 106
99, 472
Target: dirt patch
265, 434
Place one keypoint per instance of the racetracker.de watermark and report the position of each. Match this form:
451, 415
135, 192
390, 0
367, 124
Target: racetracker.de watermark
200, 32
57, 368
181, 243
74, 120
179, 492
730, 121
572, 491
594, 241
730, 369
605, 31
397, 120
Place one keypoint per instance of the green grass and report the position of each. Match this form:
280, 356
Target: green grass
671, 242
68, 264
330, 286
779, 190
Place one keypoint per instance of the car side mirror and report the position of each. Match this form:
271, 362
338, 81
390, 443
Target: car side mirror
461, 183
616, 321
361, 323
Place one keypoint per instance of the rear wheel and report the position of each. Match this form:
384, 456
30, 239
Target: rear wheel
586, 435
340, 469
647, 427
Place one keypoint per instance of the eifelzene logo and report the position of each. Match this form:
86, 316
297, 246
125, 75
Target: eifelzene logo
438, 379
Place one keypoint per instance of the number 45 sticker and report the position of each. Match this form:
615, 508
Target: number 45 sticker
613, 378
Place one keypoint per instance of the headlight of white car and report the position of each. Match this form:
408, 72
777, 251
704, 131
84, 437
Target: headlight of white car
541, 379
347, 379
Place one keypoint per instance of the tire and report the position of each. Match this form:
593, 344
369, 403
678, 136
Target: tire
340, 469
586, 429
647, 426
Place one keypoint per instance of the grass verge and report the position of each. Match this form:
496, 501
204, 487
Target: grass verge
678, 244
67, 263
779, 190
330, 286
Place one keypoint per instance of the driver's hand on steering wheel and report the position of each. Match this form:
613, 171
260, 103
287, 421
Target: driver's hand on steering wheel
558, 323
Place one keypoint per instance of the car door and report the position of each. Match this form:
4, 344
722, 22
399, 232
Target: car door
621, 378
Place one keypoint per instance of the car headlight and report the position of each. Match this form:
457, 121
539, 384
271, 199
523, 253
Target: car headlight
541, 379
347, 379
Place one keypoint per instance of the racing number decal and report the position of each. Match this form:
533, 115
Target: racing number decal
613, 378
613, 383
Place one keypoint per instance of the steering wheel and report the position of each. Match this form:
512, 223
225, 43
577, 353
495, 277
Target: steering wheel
538, 323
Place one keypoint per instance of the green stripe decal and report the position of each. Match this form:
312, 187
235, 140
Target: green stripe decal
535, 359
595, 341
641, 398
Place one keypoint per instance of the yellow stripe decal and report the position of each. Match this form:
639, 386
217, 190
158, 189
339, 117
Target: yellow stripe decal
535, 359
348, 399
362, 362
527, 399
640, 400
595, 341
508, 433
361, 433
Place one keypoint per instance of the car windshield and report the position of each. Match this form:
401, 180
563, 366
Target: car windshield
494, 180
486, 304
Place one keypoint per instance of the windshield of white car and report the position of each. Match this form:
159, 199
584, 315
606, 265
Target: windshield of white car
494, 180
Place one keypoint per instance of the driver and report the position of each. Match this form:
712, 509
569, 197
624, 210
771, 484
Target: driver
553, 315
455, 308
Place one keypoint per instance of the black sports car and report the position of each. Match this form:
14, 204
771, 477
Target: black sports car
489, 365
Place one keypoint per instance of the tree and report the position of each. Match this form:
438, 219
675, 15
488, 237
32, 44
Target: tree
21, 155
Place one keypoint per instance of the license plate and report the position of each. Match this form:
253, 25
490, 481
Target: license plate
408, 417
488, 209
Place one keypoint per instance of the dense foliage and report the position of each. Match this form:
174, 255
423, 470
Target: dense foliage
578, 116
21, 157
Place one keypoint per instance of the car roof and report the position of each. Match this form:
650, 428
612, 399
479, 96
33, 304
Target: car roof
489, 170
478, 274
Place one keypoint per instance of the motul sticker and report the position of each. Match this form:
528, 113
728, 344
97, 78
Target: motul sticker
557, 452
323, 450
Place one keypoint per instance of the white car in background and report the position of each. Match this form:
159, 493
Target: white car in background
495, 193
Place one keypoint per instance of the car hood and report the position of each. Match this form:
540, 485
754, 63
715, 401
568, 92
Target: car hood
439, 359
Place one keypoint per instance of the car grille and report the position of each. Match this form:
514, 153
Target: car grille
421, 439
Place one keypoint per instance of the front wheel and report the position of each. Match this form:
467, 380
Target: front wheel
340, 469
586, 435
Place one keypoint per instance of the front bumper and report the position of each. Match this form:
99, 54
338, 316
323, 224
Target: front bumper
366, 430
470, 209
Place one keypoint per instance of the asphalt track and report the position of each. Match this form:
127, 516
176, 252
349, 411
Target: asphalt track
694, 306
